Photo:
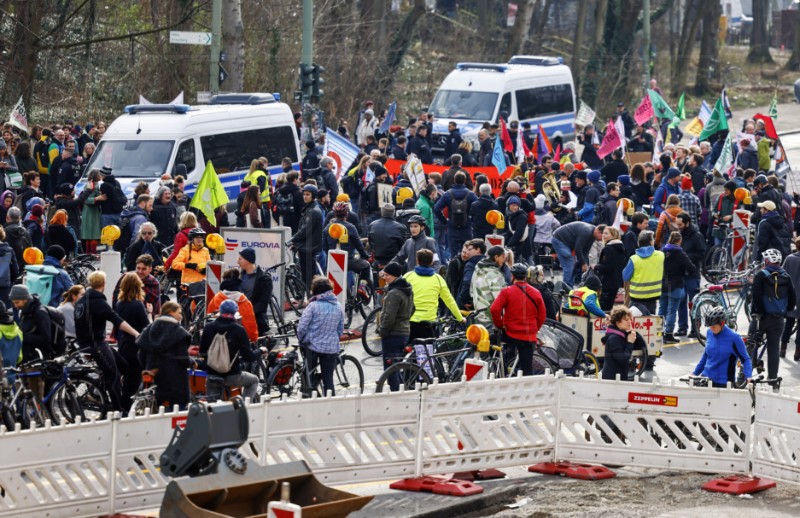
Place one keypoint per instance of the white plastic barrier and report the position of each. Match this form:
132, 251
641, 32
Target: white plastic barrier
776, 441
653, 425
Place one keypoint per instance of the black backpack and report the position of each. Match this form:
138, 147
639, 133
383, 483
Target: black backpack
458, 212
284, 204
117, 200
124, 241
57, 330
599, 215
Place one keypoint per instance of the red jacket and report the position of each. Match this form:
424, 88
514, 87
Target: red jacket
181, 240
514, 311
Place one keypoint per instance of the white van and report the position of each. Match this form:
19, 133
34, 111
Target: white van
152, 139
533, 89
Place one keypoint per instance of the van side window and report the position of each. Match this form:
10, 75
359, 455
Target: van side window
545, 100
505, 105
234, 151
185, 155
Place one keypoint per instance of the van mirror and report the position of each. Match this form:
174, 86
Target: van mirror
179, 169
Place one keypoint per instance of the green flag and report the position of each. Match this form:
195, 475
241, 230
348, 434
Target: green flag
209, 194
773, 106
681, 110
660, 106
717, 121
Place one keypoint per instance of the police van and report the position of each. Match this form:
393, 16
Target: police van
533, 89
149, 140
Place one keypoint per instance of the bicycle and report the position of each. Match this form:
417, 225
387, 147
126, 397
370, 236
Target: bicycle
80, 266
719, 259
430, 358
716, 295
291, 377
728, 75
145, 399
294, 288
359, 296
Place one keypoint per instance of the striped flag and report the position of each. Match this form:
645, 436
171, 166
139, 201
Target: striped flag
705, 112
387, 122
340, 149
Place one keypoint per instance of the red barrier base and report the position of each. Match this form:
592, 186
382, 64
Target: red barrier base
739, 485
572, 470
350, 334
438, 485
479, 474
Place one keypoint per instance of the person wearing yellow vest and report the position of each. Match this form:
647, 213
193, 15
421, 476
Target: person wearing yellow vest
583, 300
428, 288
644, 273
258, 176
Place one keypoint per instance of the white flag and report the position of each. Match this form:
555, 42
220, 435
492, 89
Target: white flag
520, 148
585, 115
142, 100
18, 116
620, 126
179, 99
618, 218
658, 148
725, 159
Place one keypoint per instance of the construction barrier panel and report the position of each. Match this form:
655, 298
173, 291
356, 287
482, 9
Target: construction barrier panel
776, 440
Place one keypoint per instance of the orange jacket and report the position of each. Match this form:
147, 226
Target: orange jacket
189, 255
245, 310
665, 221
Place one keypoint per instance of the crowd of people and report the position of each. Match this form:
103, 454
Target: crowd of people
630, 240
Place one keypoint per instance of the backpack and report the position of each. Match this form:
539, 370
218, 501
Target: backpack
776, 292
458, 212
118, 201
39, 280
219, 357
124, 241
599, 215
284, 204
57, 330
5, 267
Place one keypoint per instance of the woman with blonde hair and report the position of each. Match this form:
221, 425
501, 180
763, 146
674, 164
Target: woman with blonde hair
130, 306
187, 222
251, 207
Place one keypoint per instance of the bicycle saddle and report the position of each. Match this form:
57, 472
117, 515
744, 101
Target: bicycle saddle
425, 341
714, 288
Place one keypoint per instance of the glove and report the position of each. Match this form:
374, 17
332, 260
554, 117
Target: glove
191, 266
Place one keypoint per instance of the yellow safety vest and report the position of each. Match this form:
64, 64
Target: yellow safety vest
576, 299
253, 179
648, 274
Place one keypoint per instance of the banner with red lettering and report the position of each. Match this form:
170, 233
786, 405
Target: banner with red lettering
644, 112
611, 141
495, 180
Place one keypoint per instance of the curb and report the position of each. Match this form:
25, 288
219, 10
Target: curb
789, 132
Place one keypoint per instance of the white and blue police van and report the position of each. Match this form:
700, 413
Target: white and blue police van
149, 140
534, 89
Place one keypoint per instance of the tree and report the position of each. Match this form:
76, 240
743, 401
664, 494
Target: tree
691, 21
794, 61
709, 46
233, 44
577, 44
519, 32
759, 40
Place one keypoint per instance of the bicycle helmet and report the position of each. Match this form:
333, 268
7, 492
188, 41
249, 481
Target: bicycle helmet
760, 180
519, 271
715, 317
341, 209
196, 232
419, 220
772, 256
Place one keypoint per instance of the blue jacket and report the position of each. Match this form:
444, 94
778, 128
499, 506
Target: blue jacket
61, 282
322, 324
458, 192
463, 297
721, 354
643, 252
661, 195
137, 216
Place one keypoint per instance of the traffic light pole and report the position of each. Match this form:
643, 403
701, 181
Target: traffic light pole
216, 43
305, 69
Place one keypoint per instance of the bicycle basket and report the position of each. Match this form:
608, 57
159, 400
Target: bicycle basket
560, 344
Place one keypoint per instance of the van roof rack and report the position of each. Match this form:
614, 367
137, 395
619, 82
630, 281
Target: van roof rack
541, 61
157, 108
481, 66
256, 98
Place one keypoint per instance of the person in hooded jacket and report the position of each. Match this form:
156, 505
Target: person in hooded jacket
6, 201
164, 346
478, 210
165, 215
475, 252
677, 267
458, 232
395, 326
239, 349
288, 202
695, 247
772, 231
748, 155
592, 197
231, 289
773, 298
429, 288
613, 259
516, 232
319, 330
620, 340
407, 255
425, 204
386, 236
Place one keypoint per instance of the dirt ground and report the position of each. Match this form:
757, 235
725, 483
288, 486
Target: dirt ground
668, 495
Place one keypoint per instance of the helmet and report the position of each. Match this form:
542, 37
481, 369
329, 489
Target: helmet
536, 274
760, 180
340, 209
519, 271
196, 232
772, 256
419, 220
715, 317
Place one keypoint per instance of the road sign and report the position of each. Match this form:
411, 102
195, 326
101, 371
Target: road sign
190, 38
223, 74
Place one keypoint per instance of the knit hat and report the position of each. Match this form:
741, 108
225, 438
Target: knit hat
343, 196
322, 193
393, 269
249, 255
540, 201
387, 211
228, 309
37, 210
686, 183
310, 188
594, 176
624, 179
673, 172
57, 252
19, 292
514, 200
581, 175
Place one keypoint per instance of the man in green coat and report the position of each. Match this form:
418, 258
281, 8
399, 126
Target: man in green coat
425, 204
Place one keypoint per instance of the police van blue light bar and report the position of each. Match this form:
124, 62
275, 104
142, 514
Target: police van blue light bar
481, 66
157, 108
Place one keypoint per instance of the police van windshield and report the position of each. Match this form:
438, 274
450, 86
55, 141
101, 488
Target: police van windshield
458, 104
133, 158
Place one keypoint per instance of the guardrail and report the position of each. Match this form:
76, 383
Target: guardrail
111, 466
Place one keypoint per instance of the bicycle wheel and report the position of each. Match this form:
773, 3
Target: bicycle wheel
739, 379
494, 366
541, 363
410, 375
716, 264
92, 400
294, 291
349, 309
7, 417
284, 380
143, 402
31, 414
81, 271
590, 365
275, 309
638, 363
348, 377
732, 76
700, 309
369, 333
